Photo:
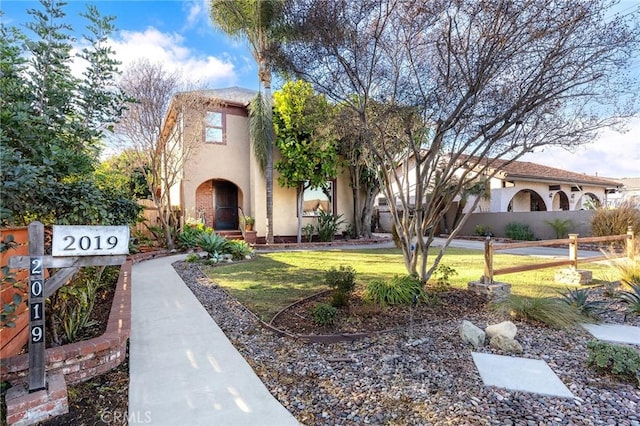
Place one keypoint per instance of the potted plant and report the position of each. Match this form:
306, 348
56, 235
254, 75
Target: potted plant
248, 223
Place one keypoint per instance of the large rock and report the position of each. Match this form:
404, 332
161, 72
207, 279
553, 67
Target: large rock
505, 344
505, 329
472, 334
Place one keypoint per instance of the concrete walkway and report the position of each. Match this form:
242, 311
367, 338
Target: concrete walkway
183, 369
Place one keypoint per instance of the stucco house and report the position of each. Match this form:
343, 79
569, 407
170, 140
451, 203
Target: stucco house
521, 186
221, 179
629, 192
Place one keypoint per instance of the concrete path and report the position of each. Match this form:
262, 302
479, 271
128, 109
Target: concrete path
183, 370
614, 333
519, 374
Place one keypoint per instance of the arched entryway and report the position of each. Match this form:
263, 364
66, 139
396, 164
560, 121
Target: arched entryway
560, 201
217, 202
526, 200
588, 201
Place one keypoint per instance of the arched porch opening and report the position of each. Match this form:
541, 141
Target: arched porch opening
217, 202
560, 201
526, 200
588, 201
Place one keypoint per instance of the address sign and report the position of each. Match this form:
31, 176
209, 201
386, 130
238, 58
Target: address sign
90, 240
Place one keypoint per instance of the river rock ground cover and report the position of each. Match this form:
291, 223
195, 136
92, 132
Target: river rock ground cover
423, 375
420, 375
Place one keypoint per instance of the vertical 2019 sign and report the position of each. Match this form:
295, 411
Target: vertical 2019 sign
36, 300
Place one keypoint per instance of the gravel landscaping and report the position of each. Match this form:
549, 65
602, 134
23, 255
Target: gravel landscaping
425, 378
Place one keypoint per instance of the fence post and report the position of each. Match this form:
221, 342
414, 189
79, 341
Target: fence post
488, 261
630, 243
573, 250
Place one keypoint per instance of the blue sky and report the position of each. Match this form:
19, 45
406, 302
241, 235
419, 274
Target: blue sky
179, 34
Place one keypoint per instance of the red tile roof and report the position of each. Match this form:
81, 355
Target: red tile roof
525, 170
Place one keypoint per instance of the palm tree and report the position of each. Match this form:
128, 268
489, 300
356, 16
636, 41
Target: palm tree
257, 21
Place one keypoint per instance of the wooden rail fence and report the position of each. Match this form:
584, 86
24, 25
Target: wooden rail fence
490, 248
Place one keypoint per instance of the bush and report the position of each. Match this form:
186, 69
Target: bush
632, 298
308, 230
324, 314
213, 243
192, 257
328, 225
400, 290
342, 281
239, 249
629, 271
579, 299
442, 275
614, 359
483, 230
560, 227
518, 231
615, 221
549, 311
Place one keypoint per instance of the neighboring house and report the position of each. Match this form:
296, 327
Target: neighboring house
522, 186
629, 192
222, 180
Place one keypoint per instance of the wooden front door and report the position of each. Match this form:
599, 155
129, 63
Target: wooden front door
226, 195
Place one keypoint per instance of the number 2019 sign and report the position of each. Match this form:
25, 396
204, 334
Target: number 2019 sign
90, 240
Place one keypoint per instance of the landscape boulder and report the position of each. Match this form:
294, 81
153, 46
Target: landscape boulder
505, 344
472, 334
504, 329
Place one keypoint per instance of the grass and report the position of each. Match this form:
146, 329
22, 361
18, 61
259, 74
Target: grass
272, 281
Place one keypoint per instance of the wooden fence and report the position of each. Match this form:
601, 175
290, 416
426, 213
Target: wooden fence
573, 241
12, 339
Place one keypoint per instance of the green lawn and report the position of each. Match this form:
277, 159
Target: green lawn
274, 280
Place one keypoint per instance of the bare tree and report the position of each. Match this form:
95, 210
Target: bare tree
154, 129
439, 84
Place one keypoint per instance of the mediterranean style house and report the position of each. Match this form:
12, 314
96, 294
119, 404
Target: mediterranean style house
521, 186
517, 191
221, 181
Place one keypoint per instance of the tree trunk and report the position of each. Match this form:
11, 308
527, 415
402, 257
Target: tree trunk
299, 199
266, 82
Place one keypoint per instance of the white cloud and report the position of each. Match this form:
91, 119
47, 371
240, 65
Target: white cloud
196, 12
613, 154
169, 49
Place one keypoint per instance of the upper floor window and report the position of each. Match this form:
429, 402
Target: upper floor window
214, 127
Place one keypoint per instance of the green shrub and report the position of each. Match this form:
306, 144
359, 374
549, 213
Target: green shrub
400, 290
308, 230
442, 275
483, 230
342, 281
614, 359
213, 243
239, 249
518, 231
192, 257
579, 299
324, 314
632, 298
71, 305
615, 221
629, 271
191, 233
560, 227
328, 225
549, 311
